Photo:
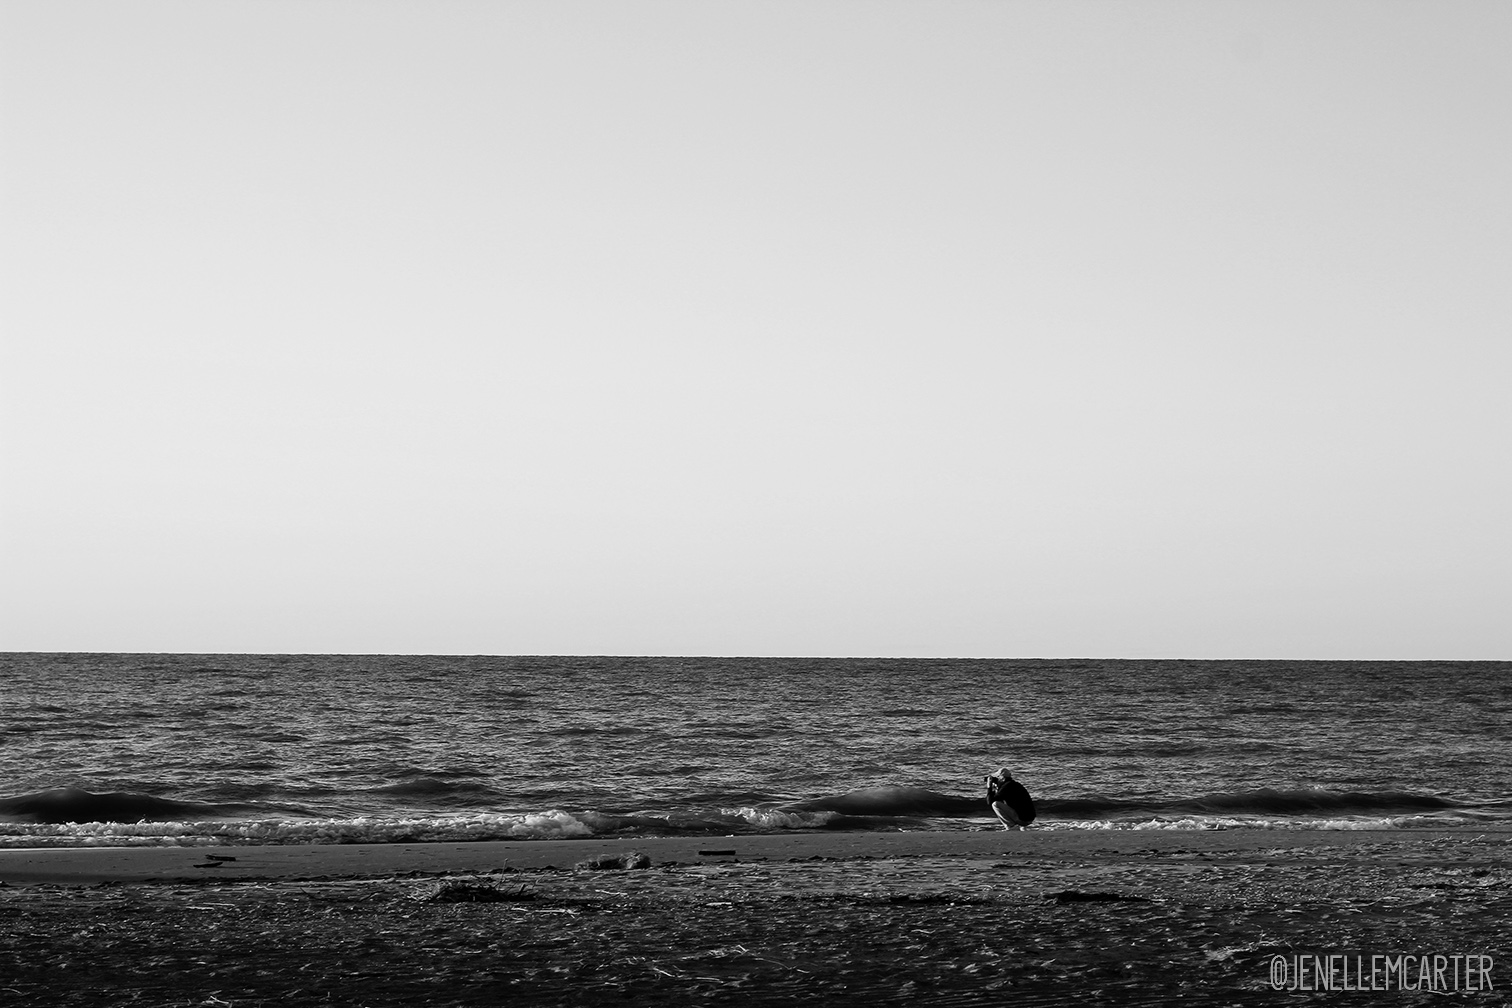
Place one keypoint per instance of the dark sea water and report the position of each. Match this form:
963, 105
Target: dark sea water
204, 749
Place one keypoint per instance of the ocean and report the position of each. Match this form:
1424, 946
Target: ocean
155, 749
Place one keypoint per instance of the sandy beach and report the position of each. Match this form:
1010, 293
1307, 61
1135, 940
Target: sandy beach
948, 918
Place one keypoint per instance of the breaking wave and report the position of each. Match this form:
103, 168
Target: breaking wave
73, 817
553, 825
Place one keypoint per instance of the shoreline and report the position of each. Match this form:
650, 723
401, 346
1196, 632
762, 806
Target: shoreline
95, 865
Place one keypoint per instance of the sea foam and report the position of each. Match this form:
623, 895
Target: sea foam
550, 825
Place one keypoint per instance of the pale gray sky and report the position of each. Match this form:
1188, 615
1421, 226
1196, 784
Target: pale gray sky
1138, 329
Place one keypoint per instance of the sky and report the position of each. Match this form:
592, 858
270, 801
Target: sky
933, 328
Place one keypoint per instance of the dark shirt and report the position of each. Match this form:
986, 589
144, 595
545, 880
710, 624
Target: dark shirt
1012, 793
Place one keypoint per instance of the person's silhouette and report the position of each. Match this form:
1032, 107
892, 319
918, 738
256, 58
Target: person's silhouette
1009, 801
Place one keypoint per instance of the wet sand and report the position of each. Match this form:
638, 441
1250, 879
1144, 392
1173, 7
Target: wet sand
976, 917
86, 865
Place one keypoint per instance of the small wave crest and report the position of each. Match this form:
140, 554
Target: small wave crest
75, 805
894, 800
1211, 822
551, 825
1264, 801
773, 820
61, 806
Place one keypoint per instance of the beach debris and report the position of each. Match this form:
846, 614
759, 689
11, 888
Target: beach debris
471, 891
1078, 896
717, 853
613, 862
